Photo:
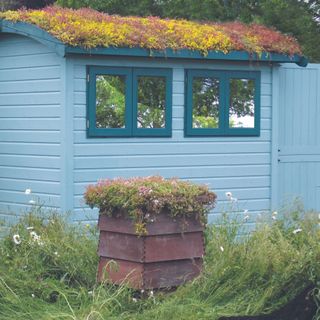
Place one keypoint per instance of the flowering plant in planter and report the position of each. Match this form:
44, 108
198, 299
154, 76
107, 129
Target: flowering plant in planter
143, 198
153, 229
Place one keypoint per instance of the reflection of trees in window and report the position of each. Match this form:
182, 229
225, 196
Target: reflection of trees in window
205, 101
110, 101
151, 102
241, 109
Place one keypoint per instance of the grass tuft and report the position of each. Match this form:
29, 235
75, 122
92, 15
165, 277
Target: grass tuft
51, 274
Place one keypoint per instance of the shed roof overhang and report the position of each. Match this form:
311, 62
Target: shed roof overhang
63, 50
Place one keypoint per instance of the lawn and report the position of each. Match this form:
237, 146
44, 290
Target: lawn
48, 269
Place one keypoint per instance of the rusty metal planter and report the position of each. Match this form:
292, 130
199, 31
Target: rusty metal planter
170, 254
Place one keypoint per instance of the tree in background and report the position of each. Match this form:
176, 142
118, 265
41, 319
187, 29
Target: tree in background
30, 4
299, 18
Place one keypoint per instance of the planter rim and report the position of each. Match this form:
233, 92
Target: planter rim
160, 223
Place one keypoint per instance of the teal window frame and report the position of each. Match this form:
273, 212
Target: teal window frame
224, 77
131, 102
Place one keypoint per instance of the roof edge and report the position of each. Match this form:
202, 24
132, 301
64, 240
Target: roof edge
33, 32
189, 54
42, 36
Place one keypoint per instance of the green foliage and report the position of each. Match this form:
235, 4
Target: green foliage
297, 17
141, 198
254, 275
110, 102
151, 102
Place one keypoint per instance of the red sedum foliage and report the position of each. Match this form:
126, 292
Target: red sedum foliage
89, 29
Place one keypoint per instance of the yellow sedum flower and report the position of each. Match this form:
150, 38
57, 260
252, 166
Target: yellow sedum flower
89, 29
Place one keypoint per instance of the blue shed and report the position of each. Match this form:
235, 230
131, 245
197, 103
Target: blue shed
240, 121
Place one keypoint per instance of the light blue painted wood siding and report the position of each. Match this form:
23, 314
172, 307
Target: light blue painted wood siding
241, 165
30, 125
299, 135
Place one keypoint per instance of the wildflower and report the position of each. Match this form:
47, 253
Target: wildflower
233, 199
30, 228
246, 211
229, 195
151, 293
90, 293
274, 213
32, 295
134, 300
40, 243
16, 239
56, 253
221, 248
274, 218
297, 231
246, 218
34, 236
32, 202
27, 191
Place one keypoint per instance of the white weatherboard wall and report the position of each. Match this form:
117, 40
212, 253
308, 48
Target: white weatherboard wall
31, 113
241, 165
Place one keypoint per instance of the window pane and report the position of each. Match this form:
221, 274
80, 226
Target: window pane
241, 109
151, 102
110, 101
205, 102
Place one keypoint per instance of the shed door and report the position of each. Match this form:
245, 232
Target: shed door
299, 135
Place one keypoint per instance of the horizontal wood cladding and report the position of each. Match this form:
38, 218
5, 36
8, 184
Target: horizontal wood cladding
241, 165
31, 101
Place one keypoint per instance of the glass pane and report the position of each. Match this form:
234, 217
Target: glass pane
110, 101
205, 102
241, 109
151, 102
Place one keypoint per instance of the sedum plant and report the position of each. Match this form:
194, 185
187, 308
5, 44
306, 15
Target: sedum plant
142, 198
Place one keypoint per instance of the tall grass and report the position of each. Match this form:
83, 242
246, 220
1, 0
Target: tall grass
53, 277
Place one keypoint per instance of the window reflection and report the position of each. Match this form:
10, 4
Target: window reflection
205, 101
110, 101
151, 102
241, 107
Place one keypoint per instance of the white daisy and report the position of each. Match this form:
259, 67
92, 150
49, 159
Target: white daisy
16, 239
229, 195
297, 231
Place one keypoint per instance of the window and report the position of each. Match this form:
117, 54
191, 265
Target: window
129, 102
223, 103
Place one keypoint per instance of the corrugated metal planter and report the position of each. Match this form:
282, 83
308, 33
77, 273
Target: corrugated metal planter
169, 255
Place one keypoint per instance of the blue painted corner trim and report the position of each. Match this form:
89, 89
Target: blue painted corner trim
44, 37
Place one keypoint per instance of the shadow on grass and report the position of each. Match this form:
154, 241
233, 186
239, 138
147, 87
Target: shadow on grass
302, 307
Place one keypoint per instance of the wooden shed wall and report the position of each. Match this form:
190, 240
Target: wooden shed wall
299, 137
31, 113
241, 165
